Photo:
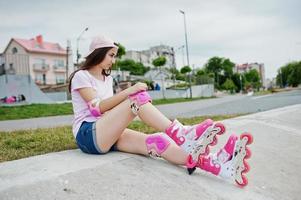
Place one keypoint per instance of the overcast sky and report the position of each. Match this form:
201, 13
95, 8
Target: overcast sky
264, 31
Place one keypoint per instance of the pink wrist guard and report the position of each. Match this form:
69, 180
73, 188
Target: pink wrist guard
93, 106
138, 99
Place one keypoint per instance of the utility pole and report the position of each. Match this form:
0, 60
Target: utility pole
77, 46
187, 54
67, 60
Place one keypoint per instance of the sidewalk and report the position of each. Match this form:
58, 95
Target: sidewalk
275, 169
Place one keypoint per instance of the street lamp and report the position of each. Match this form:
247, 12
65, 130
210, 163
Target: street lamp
240, 78
182, 48
77, 44
187, 54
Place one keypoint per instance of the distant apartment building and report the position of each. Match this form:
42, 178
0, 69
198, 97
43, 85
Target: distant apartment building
45, 62
246, 67
146, 57
1, 64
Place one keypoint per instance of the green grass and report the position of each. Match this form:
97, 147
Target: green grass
34, 110
21, 144
177, 100
45, 110
261, 93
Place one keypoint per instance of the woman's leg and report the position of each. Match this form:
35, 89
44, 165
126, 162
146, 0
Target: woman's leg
112, 124
147, 112
135, 142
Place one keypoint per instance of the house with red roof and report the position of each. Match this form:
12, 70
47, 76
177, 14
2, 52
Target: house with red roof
45, 62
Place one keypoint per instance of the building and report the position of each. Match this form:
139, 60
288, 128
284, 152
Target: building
1, 64
146, 57
246, 67
45, 62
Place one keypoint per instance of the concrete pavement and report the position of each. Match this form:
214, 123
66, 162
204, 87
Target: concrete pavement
275, 169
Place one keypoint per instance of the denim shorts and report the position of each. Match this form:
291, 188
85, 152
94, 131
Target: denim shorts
86, 139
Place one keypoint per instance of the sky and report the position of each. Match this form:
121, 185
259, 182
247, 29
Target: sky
262, 31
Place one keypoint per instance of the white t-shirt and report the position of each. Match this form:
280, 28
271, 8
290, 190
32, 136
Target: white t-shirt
83, 79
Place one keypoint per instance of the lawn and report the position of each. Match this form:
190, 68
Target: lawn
45, 110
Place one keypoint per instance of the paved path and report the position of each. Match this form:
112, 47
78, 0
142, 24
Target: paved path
218, 106
275, 169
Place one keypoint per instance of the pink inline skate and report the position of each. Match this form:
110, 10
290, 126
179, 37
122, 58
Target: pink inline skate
230, 161
195, 139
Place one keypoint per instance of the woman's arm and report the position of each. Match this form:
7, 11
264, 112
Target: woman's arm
89, 94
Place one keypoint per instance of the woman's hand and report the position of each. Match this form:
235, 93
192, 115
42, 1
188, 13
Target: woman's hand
137, 88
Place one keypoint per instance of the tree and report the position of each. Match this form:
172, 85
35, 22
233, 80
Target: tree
294, 79
253, 78
185, 70
121, 50
160, 61
289, 75
240, 84
222, 68
135, 68
229, 85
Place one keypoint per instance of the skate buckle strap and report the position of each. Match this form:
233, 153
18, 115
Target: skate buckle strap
176, 131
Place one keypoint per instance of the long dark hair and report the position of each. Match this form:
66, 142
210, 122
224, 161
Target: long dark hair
96, 57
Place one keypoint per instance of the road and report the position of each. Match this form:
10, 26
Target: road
238, 104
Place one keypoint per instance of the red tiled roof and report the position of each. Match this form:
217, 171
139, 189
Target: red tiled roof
37, 45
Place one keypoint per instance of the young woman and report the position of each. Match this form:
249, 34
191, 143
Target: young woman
101, 120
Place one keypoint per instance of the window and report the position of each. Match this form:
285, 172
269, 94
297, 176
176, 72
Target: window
14, 50
39, 61
60, 79
58, 63
39, 78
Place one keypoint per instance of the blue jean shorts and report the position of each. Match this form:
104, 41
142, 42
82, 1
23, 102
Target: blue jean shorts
86, 139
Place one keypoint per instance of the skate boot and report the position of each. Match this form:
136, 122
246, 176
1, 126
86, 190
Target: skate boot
195, 139
230, 161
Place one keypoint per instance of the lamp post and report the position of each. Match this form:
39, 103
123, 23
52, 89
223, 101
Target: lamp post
187, 54
240, 78
77, 45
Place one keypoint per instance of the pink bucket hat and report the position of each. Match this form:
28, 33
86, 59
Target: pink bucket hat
100, 42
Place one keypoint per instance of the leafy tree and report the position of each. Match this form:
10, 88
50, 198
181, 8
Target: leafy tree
222, 68
228, 67
202, 77
253, 78
181, 77
200, 72
290, 74
160, 61
185, 70
135, 68
175, 72
240, 84
294, 79
229, 85
121, 50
